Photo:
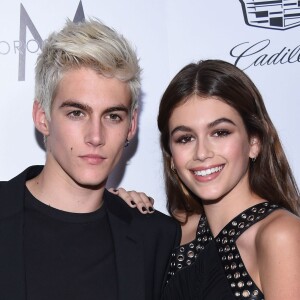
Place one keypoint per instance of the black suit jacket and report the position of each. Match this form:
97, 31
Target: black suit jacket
142, 244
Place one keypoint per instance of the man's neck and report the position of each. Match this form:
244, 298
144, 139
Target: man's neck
65, 195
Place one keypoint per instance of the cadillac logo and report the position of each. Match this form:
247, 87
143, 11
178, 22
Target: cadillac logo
271, 14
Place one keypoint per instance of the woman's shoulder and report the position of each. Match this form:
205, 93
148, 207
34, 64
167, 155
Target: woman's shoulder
279, 230
278, 248
189, 225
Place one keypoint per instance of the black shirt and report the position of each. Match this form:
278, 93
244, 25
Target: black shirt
68, 255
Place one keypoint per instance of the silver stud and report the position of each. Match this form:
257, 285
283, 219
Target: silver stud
241, 225
250, 218
190, 254
227, 248
232, 232
246, 294
233, 266
180, 257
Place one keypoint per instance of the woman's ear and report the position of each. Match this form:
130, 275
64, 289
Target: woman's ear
40, 119
255, 146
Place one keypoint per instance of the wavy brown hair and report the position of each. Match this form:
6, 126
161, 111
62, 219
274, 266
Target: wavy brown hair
270, 177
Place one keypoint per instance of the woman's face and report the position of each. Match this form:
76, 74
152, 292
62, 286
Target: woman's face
210, 147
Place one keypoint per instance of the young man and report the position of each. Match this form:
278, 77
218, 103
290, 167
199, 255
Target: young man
62, 235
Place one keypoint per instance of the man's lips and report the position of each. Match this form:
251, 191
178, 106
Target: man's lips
93, 158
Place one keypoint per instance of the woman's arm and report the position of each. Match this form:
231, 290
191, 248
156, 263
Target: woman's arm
135, 199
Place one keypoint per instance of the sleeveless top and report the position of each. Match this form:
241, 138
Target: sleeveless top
212, 268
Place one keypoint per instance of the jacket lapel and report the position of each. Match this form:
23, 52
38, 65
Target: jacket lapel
128, 250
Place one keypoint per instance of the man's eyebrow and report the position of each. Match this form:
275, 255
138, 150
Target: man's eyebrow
117, 108
76, 104
210, 125
87, 108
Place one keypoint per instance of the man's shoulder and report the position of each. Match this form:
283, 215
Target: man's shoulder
156, 219
12, 191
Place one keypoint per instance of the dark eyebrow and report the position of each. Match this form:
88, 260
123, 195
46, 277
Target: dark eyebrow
181, 128
219, 121
210, 125
117, 108
87, 108
71, 103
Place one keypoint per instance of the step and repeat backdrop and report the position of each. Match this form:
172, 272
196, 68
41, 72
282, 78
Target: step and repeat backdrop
261, 38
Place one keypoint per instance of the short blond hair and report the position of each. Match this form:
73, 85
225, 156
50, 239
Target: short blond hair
85, 44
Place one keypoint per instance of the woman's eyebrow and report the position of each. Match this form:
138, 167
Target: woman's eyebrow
219, 121
181, 128
210, 125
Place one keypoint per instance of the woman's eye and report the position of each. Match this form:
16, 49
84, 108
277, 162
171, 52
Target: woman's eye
221, 133
184, 139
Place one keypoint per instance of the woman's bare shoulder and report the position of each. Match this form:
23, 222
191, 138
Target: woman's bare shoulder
278, 248
188, 225
280, 226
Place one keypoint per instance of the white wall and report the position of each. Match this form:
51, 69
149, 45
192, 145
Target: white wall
167, 35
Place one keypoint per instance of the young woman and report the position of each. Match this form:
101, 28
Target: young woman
229, 183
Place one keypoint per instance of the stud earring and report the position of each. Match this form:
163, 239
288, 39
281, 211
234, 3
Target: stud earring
126, 143
173, 167
253, 159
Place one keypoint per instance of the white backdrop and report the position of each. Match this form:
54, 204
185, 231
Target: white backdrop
167, 35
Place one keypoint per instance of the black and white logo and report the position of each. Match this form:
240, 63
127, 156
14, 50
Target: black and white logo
272, 14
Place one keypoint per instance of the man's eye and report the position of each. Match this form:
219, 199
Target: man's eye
76, 114
114, 117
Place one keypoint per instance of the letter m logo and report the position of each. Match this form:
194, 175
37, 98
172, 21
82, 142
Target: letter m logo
26, 22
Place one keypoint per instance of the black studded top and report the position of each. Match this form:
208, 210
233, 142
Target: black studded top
216, 253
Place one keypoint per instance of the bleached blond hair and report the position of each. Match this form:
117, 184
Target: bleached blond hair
89, 44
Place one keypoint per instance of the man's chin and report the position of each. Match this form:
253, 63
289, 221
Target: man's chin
92, 184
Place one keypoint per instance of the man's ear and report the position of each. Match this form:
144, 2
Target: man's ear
255, 147
133, 125
40, 119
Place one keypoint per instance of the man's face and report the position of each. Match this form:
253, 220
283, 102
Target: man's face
90, 122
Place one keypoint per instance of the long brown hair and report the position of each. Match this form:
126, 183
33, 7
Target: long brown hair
270, 176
